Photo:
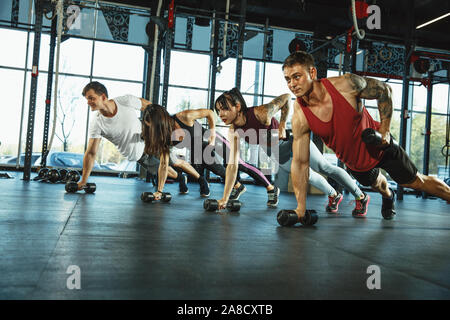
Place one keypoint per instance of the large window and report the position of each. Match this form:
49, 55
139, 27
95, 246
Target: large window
180, 99
119, 87
43, 54
417, 139
71, 115
14, 50
120, 77
440, 98
189, 69
281, 40
226, 77
112, 60
437, 143
438, 124
274, 83
76, 55
11, 91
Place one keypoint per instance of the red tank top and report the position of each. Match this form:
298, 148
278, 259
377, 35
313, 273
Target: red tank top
342, 133
253, 128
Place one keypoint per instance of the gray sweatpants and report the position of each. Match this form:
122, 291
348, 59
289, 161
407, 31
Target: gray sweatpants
317, 162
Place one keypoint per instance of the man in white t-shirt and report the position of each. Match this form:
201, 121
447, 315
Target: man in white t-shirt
118, 122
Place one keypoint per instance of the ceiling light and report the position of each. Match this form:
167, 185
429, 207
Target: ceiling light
434, 20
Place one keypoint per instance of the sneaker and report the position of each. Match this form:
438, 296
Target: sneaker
361, 206
273, 197
333, 203
237, 192
183, 184
204, 186
388, 206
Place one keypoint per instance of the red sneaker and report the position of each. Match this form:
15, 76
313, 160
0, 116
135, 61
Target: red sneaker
333, 203
361, 207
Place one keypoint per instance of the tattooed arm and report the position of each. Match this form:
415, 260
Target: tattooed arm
266, 112
368, 88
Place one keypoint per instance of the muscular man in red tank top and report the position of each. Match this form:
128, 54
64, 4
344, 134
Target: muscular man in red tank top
332, 109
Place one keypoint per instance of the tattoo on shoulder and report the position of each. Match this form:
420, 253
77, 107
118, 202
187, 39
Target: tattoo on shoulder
357, 83
276, 104
369, 88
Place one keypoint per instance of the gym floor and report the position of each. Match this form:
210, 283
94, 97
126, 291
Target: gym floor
127, 249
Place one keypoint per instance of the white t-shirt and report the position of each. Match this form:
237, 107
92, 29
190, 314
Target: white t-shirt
123, 130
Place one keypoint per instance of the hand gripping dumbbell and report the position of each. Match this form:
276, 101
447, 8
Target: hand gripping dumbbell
72, 187
213, 205
288, 135
372, 137
150, 197
287, 218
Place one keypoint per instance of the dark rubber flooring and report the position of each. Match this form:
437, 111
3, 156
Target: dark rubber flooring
127, 249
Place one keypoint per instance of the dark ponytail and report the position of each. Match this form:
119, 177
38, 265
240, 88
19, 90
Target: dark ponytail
157, 127
231, 97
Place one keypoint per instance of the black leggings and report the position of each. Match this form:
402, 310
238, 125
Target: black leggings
223, 149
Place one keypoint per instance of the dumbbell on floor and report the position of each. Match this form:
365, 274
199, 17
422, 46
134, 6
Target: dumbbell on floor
150, 197
72, 187
63, 175
73, 176
213, 205
287, 218
42, 174
53, 175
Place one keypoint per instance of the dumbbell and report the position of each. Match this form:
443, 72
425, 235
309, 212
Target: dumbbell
63, 175
372, 137
53, 175
150, 197
73, 176
288, 134
72, 187
287, 218
213, 205
42, 174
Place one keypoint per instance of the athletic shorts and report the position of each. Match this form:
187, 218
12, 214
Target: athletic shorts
151, 163
396, 162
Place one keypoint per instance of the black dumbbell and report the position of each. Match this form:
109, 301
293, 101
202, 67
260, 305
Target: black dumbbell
288, 134
213, 205
287, 218
73, 176
63, 175
53, 175
373, 137
72, 187
150, 197
42, 174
